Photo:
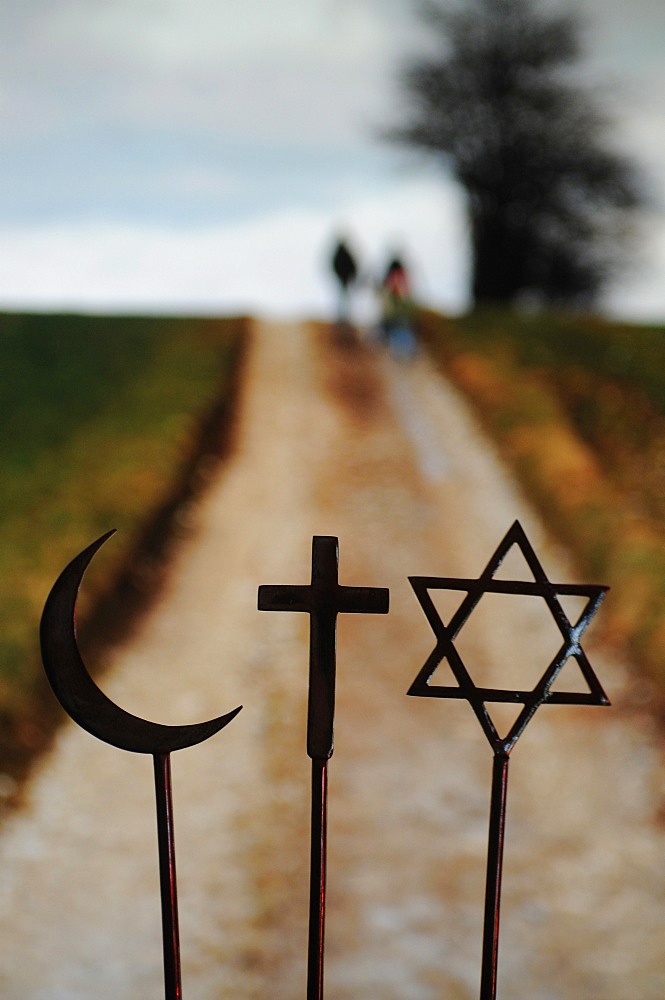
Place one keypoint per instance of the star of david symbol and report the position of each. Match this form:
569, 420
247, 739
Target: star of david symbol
542, 693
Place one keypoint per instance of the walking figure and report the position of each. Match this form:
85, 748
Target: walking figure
345, 270
397, 310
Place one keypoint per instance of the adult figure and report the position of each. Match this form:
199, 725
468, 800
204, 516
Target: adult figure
345, 270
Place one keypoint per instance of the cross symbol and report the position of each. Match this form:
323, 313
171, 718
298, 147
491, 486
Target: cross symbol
323, 599
486, 583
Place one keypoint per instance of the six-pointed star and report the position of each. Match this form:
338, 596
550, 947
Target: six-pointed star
540, 586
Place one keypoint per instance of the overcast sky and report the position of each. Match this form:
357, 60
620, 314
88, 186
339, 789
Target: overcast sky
202, 154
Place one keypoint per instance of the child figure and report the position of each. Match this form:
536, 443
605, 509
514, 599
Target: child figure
397, 310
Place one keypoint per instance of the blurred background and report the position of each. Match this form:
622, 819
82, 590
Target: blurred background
196, 157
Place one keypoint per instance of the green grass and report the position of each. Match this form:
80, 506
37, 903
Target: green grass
97, 416
576, 406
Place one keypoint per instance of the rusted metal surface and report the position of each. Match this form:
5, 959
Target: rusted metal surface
167, 876
323, 599
94, 711
479, 697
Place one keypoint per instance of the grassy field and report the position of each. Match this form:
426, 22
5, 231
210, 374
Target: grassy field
103, 422
100, 418
576, 406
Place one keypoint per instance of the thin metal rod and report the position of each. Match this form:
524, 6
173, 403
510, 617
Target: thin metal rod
317, 879
497, 828
167, 877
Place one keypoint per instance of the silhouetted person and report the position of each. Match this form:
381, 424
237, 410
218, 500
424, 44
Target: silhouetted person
346, 273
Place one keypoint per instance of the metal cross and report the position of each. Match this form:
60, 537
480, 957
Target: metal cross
323, 599
479, 697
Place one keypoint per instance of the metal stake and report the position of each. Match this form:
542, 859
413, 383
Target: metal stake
317, 879
323, 599
167, 877
496, 838
95, 712
479, 697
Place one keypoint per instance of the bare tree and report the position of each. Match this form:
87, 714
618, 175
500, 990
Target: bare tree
502, 105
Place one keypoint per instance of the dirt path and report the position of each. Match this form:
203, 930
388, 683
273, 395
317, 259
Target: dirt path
387, 458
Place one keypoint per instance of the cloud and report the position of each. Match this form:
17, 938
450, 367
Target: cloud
142, 137
173, 34
640, 295
239, 66
275, 264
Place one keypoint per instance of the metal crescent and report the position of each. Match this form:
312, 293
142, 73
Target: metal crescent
77, 692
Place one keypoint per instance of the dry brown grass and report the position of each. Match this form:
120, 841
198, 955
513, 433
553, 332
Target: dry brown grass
579, 441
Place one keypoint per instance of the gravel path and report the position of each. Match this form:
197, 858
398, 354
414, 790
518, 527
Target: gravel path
385, 456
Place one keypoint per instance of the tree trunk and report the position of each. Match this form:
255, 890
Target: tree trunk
498, 264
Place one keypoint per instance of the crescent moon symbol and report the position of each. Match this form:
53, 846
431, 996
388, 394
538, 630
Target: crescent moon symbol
77, 692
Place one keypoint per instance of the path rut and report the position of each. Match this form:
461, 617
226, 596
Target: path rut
387, 457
